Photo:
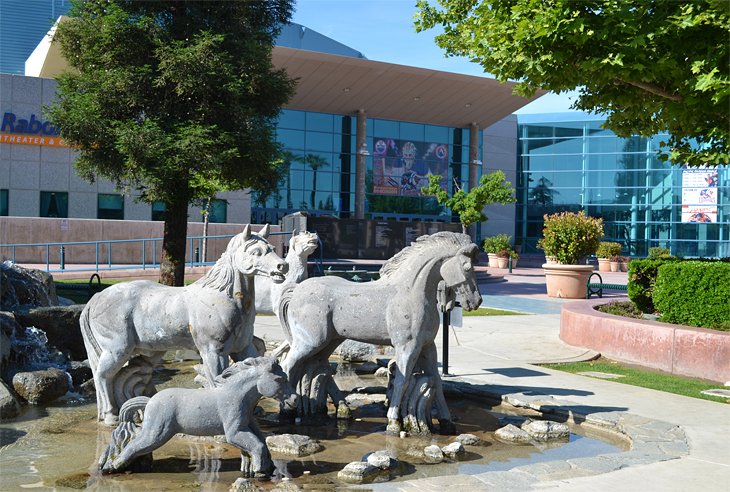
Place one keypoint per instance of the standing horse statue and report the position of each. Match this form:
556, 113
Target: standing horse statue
401, 309
225, 410
137, 322
268, 292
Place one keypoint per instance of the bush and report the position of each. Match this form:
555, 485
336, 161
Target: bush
694, 293
495, 244
659, 252
642, 277
569, 236
608, 249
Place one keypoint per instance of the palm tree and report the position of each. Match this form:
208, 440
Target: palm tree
288, 159
315, 162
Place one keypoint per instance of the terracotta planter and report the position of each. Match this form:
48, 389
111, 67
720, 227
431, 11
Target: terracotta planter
493, 263
566, 281
624, 266
502, 262
604, 264
514, 262
615, 266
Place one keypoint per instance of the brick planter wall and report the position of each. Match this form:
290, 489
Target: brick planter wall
677, 349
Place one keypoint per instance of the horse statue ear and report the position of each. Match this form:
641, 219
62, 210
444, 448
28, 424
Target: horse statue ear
247, 232
294, 232
264, 232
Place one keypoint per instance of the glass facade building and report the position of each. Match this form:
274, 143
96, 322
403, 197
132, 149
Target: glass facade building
320, 152
568, 162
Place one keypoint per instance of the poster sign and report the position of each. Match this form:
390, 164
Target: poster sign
699, 195
402, 167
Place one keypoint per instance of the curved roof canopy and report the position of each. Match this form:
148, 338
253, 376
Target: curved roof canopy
332, 83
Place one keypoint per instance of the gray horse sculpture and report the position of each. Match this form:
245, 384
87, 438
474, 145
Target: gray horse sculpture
268, 292
225, 410
399, 309
137, 322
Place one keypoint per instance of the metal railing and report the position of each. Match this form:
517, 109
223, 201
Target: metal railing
104, 257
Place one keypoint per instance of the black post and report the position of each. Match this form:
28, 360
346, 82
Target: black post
196, 255
62, 258
446, 323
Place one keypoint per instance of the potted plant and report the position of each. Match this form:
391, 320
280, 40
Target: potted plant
624, 264
606, 250
503, 258
493, 245
515, 256
569, 237
615, 263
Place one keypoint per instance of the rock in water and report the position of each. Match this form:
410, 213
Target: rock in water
453, 450
25, 288
293, 444
433, 454
513, 434
381, 459
358, 472
546, 430
468, 439
39, 387
9, 405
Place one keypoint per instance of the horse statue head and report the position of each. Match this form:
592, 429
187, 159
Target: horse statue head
271, 380
303, 243
458, 274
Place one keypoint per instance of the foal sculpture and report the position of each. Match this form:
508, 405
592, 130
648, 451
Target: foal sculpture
225, 410
268, 292
401, 309
135, 323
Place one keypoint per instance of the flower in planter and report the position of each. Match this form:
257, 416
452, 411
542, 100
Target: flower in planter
570, 236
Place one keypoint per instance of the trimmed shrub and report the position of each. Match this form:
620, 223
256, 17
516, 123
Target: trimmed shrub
694, 293
659, 252
569, 236
497, 243
608, 249
642, 277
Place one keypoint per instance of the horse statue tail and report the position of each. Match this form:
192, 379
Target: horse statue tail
283, 314
124, 432
93, 351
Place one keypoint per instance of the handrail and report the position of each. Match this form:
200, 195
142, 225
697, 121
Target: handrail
109, 264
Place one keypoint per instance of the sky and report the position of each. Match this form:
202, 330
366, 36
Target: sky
383, 30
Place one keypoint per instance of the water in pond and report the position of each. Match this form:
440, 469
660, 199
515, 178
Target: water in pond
58, 446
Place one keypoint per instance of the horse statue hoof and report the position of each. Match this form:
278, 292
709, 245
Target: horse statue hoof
447, 427
394, 426
111, 420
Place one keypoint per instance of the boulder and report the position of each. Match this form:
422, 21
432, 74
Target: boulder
293, 444
354, 351
9, 404
468, 439
512, 434
80, 373
358, 472
381, 372
382, 459
39, 387
546, 430
25, 288
61, 325
433, 454
453, 450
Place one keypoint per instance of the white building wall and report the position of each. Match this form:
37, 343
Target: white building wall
499, 152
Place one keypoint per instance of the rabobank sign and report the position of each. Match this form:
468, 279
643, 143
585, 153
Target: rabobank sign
29, 131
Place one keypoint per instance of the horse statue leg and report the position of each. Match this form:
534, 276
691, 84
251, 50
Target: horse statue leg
255, 457
405, 356
214, 362
429, 365
108, 366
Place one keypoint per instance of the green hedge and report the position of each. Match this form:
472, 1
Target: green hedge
642, 276
694, 293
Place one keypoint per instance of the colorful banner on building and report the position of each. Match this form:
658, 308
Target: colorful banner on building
699, 195
402, 167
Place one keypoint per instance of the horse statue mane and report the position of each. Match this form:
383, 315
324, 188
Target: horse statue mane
221, 276
423, 245
252, 364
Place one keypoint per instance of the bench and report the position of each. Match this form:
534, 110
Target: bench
353, 275
596, 288
89, 289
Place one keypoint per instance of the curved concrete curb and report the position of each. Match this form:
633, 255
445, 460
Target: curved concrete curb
677, 349
650, 441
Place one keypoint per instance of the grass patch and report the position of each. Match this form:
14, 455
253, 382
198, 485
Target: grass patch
482, 311
621, 308
645, 378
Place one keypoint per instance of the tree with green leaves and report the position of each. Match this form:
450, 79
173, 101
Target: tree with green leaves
651, 66
175, 100
314, 161
492, 188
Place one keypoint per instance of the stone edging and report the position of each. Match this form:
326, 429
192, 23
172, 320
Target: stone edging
676, 349
650, 440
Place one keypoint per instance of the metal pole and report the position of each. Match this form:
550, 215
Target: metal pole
62, 258
445, 330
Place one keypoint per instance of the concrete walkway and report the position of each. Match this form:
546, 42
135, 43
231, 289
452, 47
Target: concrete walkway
680, 443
